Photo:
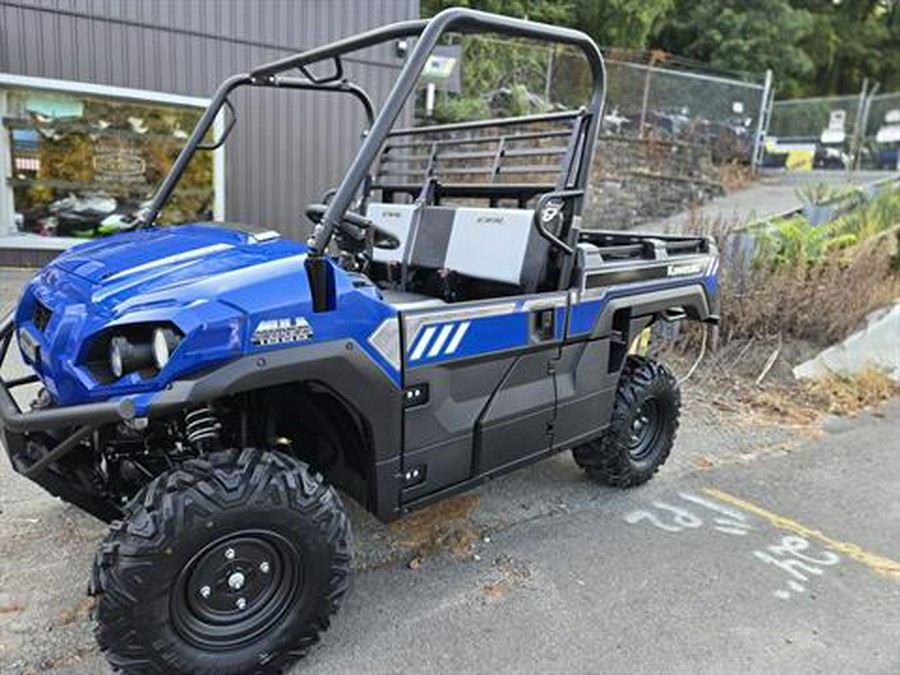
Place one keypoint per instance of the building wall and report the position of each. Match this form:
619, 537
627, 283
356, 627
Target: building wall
288, 147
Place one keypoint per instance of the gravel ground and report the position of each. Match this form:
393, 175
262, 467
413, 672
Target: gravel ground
46, 546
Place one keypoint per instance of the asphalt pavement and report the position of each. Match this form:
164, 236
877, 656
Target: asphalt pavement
773, 193
783, 561
758, 548
787, 564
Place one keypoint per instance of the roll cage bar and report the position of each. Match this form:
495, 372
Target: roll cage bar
459, 20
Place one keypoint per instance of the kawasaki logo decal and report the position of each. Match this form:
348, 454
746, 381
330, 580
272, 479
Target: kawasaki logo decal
279, 331
685, 269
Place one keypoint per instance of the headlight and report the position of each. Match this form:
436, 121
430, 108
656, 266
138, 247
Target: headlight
143, 348
126, 356
164, 342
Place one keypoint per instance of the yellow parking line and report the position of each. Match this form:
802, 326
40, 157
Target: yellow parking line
876, 562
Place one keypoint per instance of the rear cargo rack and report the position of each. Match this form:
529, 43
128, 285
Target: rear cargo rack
622, 246
516, 158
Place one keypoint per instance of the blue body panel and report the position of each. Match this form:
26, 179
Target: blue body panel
216, 285
452, 339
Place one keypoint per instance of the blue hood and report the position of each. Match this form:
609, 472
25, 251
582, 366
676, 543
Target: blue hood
214, 284
159, 265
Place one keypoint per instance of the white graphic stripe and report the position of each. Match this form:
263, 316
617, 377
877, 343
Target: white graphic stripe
171, 260
441, 339
422, 344
457, 338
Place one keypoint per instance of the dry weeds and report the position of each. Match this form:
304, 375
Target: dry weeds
735, 176
727, 387
851, 395
822, 304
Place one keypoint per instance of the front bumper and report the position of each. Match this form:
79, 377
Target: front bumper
37, 440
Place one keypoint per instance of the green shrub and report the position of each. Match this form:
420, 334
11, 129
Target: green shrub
793, 242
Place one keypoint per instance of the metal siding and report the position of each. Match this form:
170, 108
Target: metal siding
288, 147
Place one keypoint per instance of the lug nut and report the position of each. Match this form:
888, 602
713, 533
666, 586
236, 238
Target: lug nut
205, 591
264, 567
241, 603
236, 581
229, 554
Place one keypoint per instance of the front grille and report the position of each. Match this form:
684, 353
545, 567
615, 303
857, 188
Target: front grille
40, 317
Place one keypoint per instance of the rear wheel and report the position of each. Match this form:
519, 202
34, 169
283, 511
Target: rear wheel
228, 565
642, 429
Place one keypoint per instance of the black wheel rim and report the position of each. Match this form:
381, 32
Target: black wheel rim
235, 589
646, 427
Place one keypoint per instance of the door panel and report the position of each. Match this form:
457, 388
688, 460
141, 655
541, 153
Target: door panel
439, 433
517, 421
490, 396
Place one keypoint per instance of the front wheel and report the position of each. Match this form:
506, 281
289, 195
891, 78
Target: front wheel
227, 565
642, 429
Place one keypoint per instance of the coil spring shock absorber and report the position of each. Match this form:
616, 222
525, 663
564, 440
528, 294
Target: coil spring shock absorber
202, 428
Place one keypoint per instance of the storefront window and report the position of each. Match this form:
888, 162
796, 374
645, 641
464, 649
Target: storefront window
84, 166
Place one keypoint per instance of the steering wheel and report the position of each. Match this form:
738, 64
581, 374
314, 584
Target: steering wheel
355, 227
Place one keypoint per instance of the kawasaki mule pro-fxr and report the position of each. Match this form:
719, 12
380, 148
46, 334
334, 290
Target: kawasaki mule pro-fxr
202, 389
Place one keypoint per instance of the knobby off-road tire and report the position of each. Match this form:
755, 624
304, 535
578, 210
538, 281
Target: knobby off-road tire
642, 429
227, 565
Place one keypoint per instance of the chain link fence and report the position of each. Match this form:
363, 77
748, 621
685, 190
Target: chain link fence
658, 101
813, 133
855, 131
803, 120
648, 95
881, 144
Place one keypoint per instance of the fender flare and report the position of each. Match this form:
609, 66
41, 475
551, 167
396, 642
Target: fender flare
345, 368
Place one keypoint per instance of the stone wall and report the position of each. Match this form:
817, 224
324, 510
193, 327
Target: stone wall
636, 181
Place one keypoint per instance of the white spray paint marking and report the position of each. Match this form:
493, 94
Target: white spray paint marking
680, 520
791, 555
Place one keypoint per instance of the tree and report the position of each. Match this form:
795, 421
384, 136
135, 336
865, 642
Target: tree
853, 40
743, 36
622, 23
546, 11
814, 47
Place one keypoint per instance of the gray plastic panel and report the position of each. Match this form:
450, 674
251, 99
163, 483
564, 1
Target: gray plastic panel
396, 219
429, 245
516, 422
586, 392
490, 243
439, 433
446, 463
457, 395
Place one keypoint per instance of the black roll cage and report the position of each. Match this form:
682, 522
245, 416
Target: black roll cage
459, 20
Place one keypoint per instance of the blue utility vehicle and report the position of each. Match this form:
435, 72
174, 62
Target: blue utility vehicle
205, 390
